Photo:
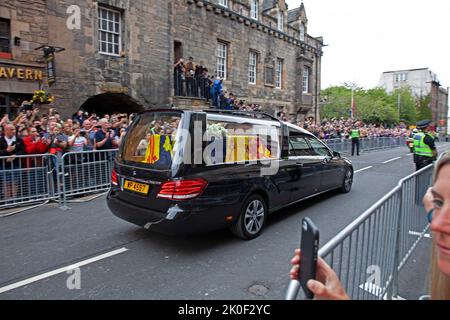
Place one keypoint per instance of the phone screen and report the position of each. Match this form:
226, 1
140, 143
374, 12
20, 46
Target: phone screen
309, 250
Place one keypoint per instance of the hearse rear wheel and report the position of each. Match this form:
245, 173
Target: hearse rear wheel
252, 219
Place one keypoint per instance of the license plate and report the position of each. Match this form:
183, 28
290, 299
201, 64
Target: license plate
136, 187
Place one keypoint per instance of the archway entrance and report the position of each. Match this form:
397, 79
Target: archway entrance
109, 103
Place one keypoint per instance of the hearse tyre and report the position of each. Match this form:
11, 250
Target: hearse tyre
348, 181
252, 219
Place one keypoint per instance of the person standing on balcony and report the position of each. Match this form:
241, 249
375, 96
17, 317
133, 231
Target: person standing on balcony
425, 152
190, 77
217, 92
178, 75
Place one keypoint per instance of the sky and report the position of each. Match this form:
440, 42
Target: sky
368, 37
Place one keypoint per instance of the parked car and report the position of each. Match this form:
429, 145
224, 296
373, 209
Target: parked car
157, 185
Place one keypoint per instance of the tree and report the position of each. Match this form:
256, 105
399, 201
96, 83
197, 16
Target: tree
406, 103
423, 108
373, 105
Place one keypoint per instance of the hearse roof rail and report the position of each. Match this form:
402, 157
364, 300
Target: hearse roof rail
250, 114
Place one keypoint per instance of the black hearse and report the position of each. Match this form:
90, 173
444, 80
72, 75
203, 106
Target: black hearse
181, 172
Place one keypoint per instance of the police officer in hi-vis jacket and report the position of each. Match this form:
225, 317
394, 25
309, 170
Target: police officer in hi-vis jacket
425, 152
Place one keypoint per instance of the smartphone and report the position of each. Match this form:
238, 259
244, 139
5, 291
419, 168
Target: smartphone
310, 248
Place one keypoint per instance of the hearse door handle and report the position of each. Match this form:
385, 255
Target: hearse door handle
299, 164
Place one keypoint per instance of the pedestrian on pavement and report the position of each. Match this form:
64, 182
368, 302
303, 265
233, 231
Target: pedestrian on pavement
355, 135
327, 285
425, 152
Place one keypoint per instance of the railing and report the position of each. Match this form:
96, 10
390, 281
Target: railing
194, 86
369, 254
33, 179
344, 146
84, 173
28, 179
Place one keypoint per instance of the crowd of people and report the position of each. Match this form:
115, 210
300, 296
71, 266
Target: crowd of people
341, 128
34, 133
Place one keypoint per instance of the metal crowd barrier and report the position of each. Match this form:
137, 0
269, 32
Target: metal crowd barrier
33, 179
344, 146
28, 179
368, 255
83, 173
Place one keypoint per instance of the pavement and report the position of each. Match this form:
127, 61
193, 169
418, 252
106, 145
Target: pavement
118, 260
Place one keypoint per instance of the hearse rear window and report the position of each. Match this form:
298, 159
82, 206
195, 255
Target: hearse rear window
151, 140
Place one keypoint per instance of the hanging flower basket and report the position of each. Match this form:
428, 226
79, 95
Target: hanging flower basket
42, 97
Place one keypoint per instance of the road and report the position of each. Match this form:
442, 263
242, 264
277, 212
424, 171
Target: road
121, 261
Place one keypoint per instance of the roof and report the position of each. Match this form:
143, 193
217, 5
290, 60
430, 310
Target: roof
293, 15
406, 70
269, 4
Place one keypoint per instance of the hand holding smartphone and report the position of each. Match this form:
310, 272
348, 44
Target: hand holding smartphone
309, 250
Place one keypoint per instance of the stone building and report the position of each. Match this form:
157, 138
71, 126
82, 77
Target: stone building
422, 82
119, 54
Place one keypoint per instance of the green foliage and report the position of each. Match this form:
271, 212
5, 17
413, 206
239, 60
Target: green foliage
423, 109
373, 105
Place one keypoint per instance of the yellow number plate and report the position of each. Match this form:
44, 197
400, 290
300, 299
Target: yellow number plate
136, 187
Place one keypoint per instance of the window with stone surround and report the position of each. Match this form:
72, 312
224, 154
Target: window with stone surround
306, 75
5, 36
222, 57
109, 31
302, 32
252, 64
280, 20
254, 8
223, 3
279, 74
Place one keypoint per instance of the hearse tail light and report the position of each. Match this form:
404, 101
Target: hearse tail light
182, 189
114, 180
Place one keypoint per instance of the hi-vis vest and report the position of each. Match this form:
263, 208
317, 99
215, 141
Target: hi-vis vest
355, 134
420, 148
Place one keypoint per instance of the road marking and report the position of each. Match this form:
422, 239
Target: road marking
61, 270
418, 234
410, 154
364, 169
392, 160
372, 289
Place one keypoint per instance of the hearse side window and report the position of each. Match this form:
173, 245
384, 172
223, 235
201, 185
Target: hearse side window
242, 140
151, 140
319, 148
299, 147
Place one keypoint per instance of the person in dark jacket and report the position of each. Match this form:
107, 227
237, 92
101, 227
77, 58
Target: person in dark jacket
10, 146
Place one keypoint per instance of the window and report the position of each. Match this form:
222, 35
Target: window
306, 80
252, 61
221, 54
152, 140
298, 147
318, 147
231, 139
254, 9
280, 20
279, 74
223, 3
401, 77
302, 32
5, 35
109, 27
